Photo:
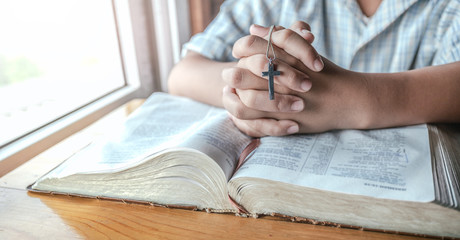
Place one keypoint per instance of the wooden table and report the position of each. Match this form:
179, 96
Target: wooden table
26, 215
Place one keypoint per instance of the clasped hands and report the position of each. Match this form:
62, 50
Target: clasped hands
311, 95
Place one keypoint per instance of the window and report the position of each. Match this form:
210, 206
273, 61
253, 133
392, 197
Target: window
55, 57
63, 64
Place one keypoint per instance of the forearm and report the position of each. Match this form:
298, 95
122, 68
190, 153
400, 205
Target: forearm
198, 78
426, 95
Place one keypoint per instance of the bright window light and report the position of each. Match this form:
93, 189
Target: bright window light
55, 56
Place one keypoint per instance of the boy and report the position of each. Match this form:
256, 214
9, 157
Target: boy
363, 78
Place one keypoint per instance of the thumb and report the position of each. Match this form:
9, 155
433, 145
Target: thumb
262, 31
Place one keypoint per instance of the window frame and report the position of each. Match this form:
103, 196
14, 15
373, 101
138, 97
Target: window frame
134, 22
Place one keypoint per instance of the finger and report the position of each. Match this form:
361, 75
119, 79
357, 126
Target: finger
303, 29
245, 128
300, 27
266, 127
252, 44
294, 45
289, 76
243, 78
262, 31
235, 107
258, 100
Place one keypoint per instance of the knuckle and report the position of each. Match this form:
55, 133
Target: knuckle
236, 77
287, 34
257, 61
282, 104
268, 127
249, 98
258, 127
260, 62
285, 103
239, 111
245, 127
277, 130
242, 45
298, 23
248, 132
249, 41
310, 55
252, 133
301, 24
291, 79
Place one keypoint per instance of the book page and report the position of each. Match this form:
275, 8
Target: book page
387, 163
162, 122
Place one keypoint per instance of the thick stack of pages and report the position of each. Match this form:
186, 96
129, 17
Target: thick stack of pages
445, 148
173, 151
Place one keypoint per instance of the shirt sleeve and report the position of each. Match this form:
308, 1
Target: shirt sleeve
232, 22
449, 46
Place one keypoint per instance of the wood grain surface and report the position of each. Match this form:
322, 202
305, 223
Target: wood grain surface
36, 216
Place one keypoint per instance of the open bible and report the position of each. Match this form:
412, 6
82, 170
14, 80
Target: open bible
173, 151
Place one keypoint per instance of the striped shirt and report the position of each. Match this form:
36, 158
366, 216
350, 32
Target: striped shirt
401, 35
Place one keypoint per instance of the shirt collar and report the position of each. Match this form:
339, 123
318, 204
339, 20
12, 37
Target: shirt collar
387, 13
396, 8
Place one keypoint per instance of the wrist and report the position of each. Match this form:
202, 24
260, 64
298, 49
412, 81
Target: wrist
385, 100
358, 104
